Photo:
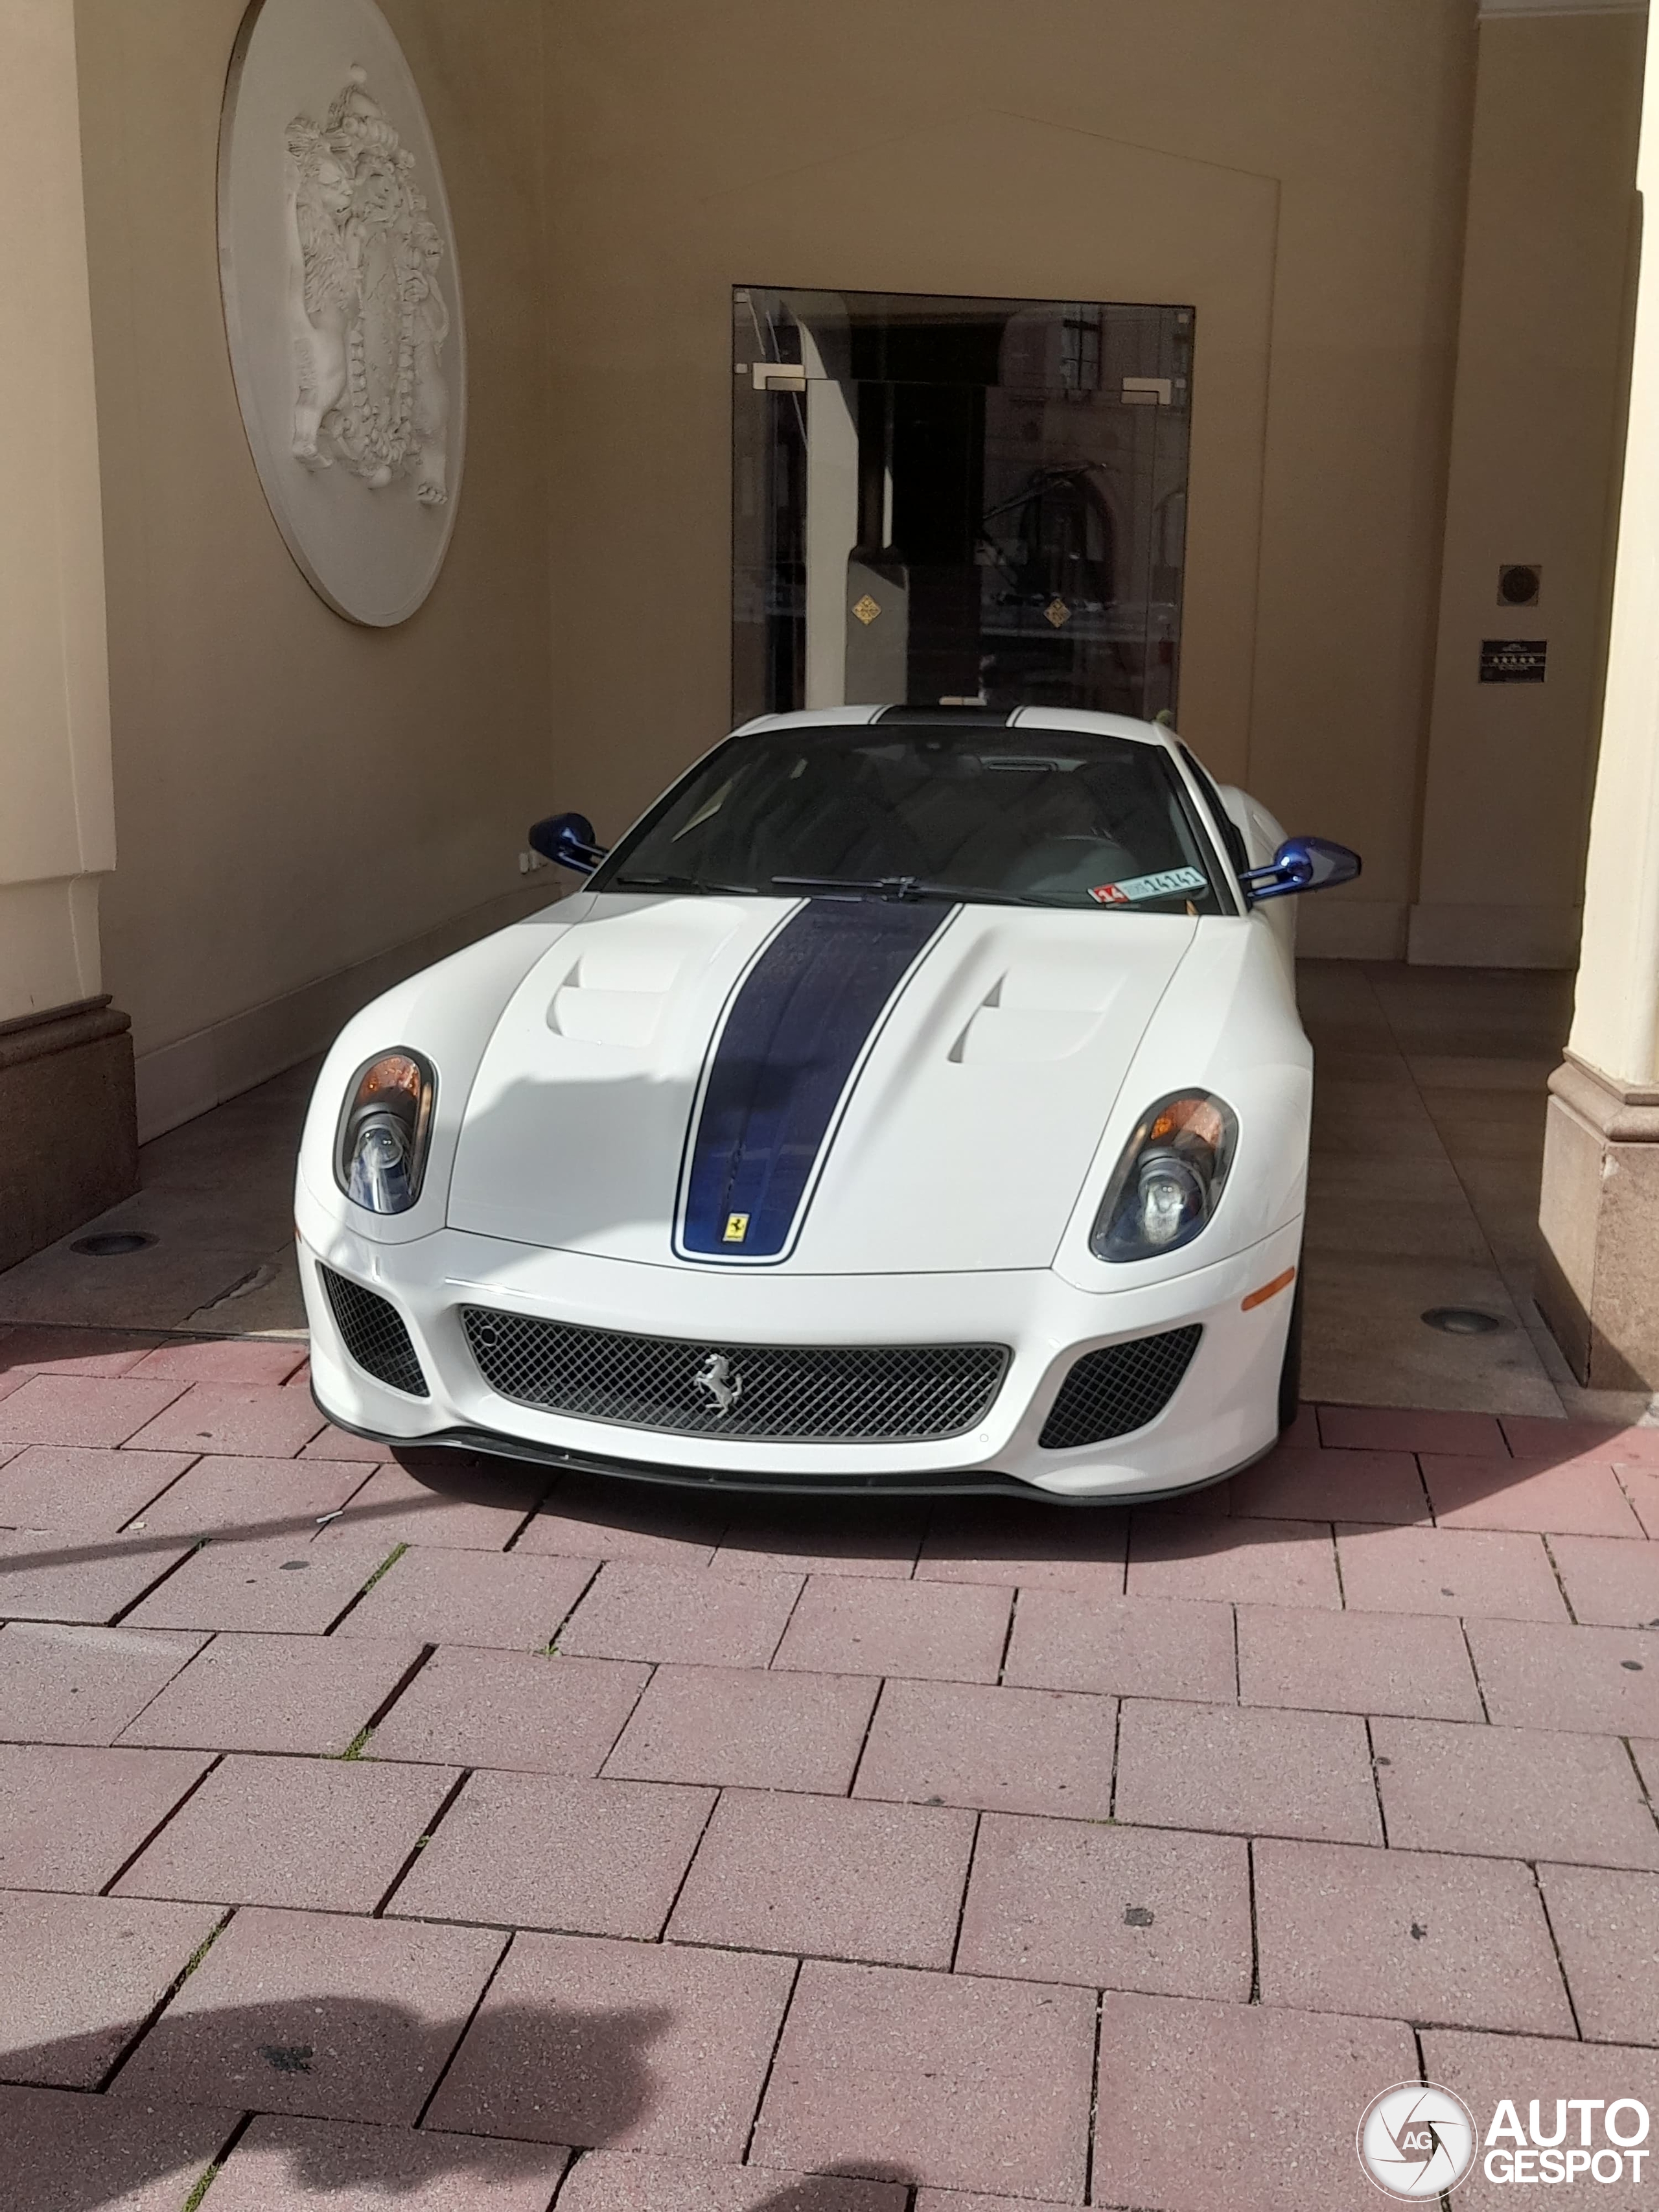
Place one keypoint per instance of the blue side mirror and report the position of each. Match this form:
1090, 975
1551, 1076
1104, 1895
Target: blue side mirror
568, 839
1302, 864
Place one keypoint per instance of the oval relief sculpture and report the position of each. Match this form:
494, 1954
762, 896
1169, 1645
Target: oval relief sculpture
343, 300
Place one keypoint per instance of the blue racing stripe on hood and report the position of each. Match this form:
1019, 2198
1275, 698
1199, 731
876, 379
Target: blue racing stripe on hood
800, 1024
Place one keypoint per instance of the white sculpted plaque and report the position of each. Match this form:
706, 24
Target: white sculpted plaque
343, 302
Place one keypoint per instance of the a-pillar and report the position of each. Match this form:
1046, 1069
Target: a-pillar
67, 1144
1599, 1287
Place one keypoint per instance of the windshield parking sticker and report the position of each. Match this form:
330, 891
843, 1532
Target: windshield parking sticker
1162, 886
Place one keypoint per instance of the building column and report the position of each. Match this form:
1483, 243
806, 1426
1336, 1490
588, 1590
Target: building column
65, 1057
1599, 1285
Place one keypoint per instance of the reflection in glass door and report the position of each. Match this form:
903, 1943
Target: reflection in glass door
945, 500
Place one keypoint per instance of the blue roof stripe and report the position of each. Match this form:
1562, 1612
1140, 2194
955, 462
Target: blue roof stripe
796, 1032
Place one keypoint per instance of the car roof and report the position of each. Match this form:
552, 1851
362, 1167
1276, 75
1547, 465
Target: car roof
968, 718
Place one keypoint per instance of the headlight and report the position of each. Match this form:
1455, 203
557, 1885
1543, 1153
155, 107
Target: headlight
1169, 1181
381, 1151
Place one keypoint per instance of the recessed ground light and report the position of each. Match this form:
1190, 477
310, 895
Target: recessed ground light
112, 1244
1461, 1321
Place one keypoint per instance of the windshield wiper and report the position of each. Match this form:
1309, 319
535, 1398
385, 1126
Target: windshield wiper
912, 887
669, 882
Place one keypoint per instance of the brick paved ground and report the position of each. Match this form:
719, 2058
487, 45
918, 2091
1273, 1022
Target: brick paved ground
378, 1837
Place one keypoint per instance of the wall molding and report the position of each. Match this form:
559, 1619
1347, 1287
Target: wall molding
176, 1082
1489, 10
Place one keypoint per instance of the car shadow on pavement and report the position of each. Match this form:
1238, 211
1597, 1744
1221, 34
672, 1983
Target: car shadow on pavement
332, 2087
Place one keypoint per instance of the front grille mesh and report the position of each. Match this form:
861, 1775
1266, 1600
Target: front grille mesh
1118, 1388
839, 1394
375, 1335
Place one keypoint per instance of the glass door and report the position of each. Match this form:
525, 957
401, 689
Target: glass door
945, 500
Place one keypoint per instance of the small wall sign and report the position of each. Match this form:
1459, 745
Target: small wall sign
1513, 659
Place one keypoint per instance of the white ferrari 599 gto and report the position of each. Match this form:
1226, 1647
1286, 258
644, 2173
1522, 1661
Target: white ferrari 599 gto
914, 1100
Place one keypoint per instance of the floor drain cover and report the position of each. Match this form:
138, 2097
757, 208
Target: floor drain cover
1461, 1321
112, 1244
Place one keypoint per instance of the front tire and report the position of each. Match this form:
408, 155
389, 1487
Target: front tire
1289, 1374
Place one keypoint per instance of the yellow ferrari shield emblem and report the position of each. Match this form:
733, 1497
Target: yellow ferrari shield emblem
736, 1228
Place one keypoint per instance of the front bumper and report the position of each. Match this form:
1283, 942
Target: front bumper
1223, 1413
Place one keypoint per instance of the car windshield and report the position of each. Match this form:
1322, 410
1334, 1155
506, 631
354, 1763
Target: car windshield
1046, 818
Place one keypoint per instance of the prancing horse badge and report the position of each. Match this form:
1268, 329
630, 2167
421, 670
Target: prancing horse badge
736, 1228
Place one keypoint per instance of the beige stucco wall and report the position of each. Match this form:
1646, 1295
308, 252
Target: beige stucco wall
295, 795
1536, 447
1294, 169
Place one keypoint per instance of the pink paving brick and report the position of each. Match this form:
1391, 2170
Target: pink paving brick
1294, 1483
830, 1876
1246, 1770
63, 1683
1355, 1663
1482, 2068
222, 1496
1004, 1750
300, 1378
952, 2200
69, 2152
1189, 1555
1641, 1485
41, 1349
511, 1709
1513, 1793
1493, 1571
738, 1727
1646, 1757
334, 2165
1607, 1927
637, 1610
1581, 1497
1532, 1436
478, 1512
83, 1410
1389, 1428
70, 1492
70, 1818
633, 2181
596, 1520
1150, 1646
949, 1632
260, 1419
532, 1851
639, 2046
1110, 1907
314, 2013
1252, 2108
1609, 1584
65, 1578
279, 1583
1416, 1935
833, 1537
329, 1834
82, 1975
292, 1693
1006, 1542
940, 2078
1602, 1681
223, 1359
331, 1443
489, 1598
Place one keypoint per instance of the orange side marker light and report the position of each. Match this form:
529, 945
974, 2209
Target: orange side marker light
1267, 1290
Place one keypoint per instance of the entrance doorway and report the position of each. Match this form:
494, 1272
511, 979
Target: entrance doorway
956, 501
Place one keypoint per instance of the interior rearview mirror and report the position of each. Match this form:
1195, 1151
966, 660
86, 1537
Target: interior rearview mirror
1302, 864
567, 839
